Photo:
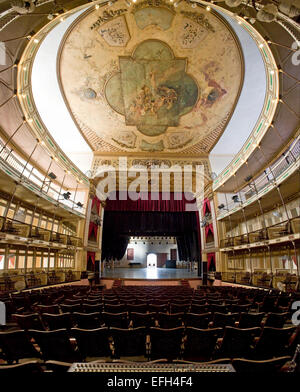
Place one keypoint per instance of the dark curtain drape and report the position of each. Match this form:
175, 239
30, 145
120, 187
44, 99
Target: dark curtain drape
119, 225
162, 201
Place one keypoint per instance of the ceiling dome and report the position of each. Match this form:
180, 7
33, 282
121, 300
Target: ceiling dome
150, 78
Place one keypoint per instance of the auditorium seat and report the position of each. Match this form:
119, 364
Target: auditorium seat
87, 301
55, 345
266, 367
199, 309
220, 320
92, 308
166, 320
16, 345
57, 321
139, 308
142, 319
166, 343
240, 308
273, 342
117, 320
92, 343
179, 308
250, 320
29, 321
88, 320
200, 344
238, 342
128, 342
25, 369
213, 308
72, 301
115, 308
57, 366
158, 308
200, 321
71, 308
276, 320
53, 309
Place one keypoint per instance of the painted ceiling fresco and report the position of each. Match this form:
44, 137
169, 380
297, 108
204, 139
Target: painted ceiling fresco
151, 78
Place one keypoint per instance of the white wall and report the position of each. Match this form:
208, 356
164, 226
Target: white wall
141, 249
249, 105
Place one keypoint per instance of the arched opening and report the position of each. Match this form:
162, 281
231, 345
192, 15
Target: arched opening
151, 260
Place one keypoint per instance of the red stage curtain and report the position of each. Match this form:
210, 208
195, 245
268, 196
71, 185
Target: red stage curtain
169, 205
211, 261
92, 256
209, 228
206, 206
93, 228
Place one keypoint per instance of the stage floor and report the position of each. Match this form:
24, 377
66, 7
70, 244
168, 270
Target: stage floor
147, 273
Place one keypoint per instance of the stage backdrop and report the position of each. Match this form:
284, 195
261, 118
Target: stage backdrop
125, 218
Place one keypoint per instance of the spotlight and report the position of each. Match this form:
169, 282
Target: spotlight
249, 178
221, 206
66, 195
80, 205
52, 175
235, 198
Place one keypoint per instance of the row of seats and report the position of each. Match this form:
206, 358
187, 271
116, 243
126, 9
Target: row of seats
189, 343
240, 365
90, 320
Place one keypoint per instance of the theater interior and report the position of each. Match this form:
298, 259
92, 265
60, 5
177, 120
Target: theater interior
149, 186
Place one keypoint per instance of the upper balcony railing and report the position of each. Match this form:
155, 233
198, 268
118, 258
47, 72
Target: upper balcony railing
16, 167
272, 175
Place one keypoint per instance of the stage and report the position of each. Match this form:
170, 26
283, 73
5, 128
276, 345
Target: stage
149, 273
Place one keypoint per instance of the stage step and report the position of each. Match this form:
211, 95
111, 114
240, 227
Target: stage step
117, 283
185, 282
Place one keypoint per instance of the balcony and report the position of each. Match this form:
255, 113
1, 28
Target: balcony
273, 175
